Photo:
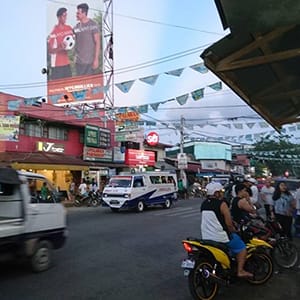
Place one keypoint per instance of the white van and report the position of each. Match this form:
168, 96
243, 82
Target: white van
139, 190
32, 219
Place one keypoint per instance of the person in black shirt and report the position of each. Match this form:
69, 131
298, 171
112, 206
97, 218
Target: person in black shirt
241, 207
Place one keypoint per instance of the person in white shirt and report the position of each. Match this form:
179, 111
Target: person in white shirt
266, 194
83, 188
251, 183
297, 220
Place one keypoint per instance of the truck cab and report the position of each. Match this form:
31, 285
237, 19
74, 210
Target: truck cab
32, 219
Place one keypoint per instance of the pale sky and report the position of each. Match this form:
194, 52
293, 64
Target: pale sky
144, 31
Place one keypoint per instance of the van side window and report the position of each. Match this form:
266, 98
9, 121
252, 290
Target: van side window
6, 189
171, 180
138, 182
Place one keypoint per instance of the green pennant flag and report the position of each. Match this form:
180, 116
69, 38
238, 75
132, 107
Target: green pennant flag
216, 86
198, 94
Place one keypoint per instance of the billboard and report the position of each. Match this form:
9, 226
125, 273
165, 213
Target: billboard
74, 51
212, 151
9, 128
139, 157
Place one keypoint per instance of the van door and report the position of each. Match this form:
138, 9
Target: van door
139, 189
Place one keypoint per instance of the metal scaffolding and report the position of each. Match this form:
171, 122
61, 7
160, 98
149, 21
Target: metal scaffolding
108, 57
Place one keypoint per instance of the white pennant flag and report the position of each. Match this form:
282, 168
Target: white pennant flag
125, 86
149, 79
199, 68
182, 99
177, 72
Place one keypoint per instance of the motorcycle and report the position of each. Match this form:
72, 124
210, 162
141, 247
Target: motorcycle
209, 265
90, 199
284, 251
197, 191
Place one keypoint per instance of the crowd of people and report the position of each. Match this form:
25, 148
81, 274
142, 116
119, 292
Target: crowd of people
85, 186
224, 210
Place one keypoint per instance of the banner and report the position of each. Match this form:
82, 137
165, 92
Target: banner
9, 128
74, 51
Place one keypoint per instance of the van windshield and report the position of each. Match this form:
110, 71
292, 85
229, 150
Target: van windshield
119, 182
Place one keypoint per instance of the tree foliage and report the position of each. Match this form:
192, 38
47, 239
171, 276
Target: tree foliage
278, 154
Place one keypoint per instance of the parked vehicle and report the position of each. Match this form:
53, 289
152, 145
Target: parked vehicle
90, 199
32, 219
209, 265
284, 251
140, 190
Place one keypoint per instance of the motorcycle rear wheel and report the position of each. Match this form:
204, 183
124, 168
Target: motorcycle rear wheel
202, 288
261, 266
77, 201
285, 254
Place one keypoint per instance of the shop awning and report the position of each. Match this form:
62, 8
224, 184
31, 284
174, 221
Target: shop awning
259, 60
52, 161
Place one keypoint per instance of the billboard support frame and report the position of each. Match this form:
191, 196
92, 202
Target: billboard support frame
108, 57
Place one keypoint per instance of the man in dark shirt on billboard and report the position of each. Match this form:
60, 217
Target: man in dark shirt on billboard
87, 47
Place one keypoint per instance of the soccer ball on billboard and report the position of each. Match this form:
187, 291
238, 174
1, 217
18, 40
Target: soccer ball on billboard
69, 42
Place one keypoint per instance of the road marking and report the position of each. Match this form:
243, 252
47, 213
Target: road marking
187, 212
178, 210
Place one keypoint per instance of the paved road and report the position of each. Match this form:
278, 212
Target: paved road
128, 255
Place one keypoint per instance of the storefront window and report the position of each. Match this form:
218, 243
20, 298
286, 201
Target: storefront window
33, 129
57, 133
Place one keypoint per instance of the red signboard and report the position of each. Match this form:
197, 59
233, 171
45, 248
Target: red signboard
152, 138
139, 157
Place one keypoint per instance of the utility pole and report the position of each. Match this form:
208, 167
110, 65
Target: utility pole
182, 158
181, 134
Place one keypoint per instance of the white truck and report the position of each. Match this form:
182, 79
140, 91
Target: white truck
140, 190
32, 219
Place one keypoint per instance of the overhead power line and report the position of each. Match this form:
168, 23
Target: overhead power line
117, 71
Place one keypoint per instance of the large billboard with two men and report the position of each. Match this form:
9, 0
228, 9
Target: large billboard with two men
74, 51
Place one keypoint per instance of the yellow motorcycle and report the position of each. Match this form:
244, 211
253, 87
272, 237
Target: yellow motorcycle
210, 265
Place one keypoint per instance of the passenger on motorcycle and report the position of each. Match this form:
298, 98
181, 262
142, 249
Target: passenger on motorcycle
241, 206
83, 188
217, 225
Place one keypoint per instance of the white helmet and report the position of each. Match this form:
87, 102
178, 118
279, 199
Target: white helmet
252, 180
213, 187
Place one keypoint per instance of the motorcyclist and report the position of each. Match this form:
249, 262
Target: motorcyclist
217, 225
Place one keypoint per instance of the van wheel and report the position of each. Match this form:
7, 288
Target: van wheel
167, 203
41, 258
140, 206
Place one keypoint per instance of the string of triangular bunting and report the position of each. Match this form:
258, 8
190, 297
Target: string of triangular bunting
151, 80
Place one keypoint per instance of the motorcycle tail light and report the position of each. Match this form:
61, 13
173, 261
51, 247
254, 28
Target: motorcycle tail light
187, 247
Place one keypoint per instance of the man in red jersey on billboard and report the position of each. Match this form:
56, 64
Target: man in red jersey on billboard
60, 41
87, 48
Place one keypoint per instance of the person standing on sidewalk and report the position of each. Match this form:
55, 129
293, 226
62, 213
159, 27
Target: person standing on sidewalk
284, 205
181, 189
266, 195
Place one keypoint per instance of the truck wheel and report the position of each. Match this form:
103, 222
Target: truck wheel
167, 203
140, 206
41, 258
